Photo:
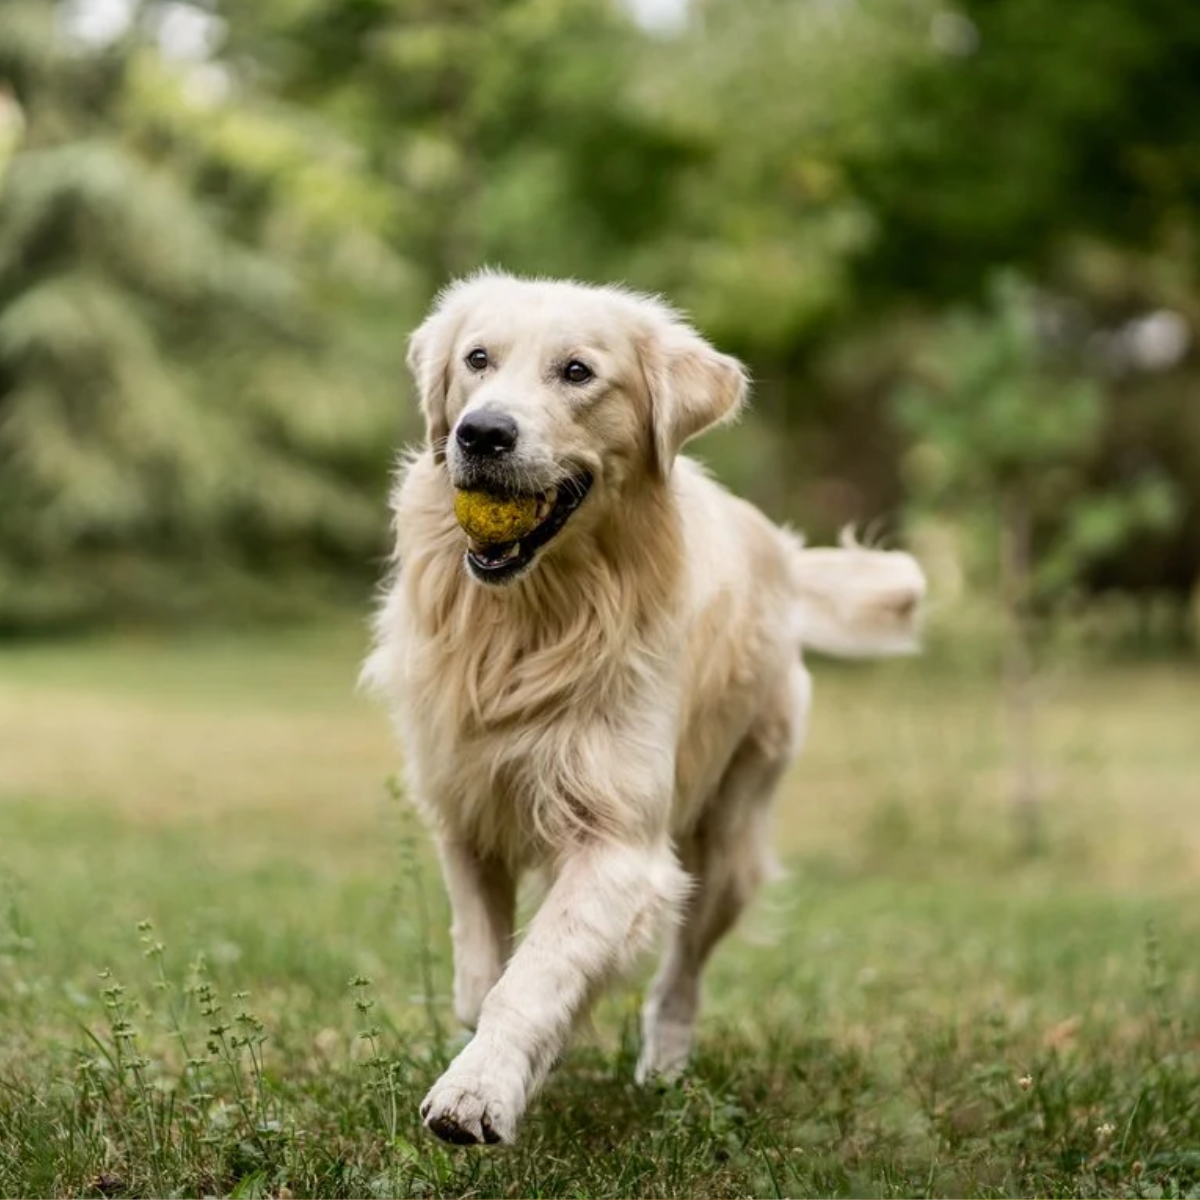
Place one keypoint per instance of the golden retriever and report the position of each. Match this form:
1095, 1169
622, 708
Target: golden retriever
611, 698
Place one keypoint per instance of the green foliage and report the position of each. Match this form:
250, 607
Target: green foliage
996, 420
1100, 525
1028, 124
228, 247
771, 227
169, 399
990, 412
505, 132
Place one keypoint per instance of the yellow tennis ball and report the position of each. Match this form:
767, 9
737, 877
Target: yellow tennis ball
495, 519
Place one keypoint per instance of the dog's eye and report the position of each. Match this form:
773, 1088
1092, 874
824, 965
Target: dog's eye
477, 360
577, 372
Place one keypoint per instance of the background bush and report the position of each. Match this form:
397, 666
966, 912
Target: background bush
219, 219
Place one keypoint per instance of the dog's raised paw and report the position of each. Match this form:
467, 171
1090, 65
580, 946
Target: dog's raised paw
466, 1116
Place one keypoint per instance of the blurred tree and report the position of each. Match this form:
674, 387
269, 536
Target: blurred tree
12, 129
879, 160
763, 241
1027, 125
506, 131
209, 256
780, 96
1002, 431
1061, 139
173, 420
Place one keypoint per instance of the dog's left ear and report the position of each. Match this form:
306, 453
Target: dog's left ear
692, 387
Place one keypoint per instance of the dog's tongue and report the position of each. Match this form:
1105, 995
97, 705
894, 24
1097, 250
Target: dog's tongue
496, 552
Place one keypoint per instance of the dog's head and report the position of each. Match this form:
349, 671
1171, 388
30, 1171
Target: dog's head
562, 393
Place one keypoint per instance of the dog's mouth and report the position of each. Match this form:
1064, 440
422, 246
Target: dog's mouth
502, 561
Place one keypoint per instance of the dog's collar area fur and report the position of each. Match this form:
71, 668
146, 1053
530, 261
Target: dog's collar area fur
504, 562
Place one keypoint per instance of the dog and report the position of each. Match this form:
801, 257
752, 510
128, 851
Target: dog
610, 698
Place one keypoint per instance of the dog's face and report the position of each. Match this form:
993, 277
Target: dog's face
561, 392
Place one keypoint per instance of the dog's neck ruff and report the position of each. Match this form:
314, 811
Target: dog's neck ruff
559, 635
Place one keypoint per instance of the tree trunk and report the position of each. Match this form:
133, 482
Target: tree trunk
1017, 685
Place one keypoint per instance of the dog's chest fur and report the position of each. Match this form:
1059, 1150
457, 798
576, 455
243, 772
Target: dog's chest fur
539, 713
550, 711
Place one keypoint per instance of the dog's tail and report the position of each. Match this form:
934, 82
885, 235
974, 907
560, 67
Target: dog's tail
856, 602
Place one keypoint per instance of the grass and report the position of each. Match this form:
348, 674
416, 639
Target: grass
224, 966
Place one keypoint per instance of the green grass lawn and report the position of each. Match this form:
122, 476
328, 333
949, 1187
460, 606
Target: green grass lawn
199, 853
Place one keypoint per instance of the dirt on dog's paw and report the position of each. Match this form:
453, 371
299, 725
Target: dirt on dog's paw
467, 1115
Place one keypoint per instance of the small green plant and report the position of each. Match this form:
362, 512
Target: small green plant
143, 1094
414, 894
387, 1074
130, 1088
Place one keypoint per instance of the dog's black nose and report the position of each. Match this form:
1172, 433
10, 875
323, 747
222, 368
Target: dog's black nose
486, 433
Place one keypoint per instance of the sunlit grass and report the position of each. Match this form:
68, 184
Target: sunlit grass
913, 1010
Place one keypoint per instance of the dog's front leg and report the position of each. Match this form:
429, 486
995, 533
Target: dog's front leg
482, 894
605, 905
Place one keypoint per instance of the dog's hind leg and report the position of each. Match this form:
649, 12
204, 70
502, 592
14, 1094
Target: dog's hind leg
728, 858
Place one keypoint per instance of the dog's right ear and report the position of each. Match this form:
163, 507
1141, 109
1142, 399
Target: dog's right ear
429, 350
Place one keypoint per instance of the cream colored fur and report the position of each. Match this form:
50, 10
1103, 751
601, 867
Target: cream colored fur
619, 716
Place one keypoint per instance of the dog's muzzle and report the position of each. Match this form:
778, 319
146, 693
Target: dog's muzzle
505, 529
